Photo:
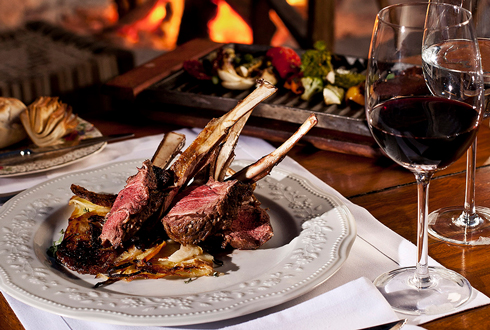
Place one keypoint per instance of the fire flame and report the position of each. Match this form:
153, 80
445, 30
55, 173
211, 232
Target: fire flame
228, 26
158, 31
149, 23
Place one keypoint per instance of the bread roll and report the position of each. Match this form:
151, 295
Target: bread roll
11, 129
47, 120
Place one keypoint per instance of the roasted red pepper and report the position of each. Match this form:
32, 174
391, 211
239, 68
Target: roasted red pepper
285, 60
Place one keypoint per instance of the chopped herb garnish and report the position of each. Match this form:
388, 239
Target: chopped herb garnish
53, 248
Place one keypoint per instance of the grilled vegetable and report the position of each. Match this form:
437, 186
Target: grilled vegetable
165, 259
347, 79
293, 83
196, 69
269, 76
250, 67
333, 94
226, 72
316, 62
83, 206
285, 60
312, 86
355, 94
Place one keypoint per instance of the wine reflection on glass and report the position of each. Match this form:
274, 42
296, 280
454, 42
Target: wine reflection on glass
468, 224
422, 130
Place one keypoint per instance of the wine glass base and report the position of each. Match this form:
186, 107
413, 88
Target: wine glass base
447, 291
452, 225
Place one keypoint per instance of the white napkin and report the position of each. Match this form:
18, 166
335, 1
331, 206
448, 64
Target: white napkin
377, 249
358, 297
331, 310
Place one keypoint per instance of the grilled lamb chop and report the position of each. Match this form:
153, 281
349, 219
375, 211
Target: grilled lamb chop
143, 194
81, 249
211, 209
203, 210
252, 228
141, 197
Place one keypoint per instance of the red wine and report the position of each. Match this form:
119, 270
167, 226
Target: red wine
424, 133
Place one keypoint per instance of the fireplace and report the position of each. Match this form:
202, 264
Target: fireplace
57, 47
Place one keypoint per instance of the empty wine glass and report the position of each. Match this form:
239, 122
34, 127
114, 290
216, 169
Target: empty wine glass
423, 130
468, 224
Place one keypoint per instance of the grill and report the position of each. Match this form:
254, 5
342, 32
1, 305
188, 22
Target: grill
162, 83
41, 60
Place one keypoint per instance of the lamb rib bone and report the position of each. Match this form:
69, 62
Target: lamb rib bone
215, 131
219, 159
168, 149
263, 166
226, 153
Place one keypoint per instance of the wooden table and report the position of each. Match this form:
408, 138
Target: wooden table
383, 188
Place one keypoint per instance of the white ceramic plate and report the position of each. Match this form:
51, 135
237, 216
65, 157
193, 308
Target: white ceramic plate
313, 234
58, 159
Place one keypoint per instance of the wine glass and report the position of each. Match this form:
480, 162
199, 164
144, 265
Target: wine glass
468, 224
423, 130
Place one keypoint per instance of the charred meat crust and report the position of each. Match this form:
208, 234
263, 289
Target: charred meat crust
97, 198
81, 250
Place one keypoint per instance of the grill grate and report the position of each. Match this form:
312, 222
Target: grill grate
284, 105
42, 60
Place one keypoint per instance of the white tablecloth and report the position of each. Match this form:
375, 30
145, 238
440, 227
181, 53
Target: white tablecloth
347, 300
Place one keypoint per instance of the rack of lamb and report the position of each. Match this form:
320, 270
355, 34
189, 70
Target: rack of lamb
177, 203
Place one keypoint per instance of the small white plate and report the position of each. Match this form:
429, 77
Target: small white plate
84, 130
313, 234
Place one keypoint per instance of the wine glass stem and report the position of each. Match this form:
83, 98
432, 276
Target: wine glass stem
469, 217
469, 199
422, 277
